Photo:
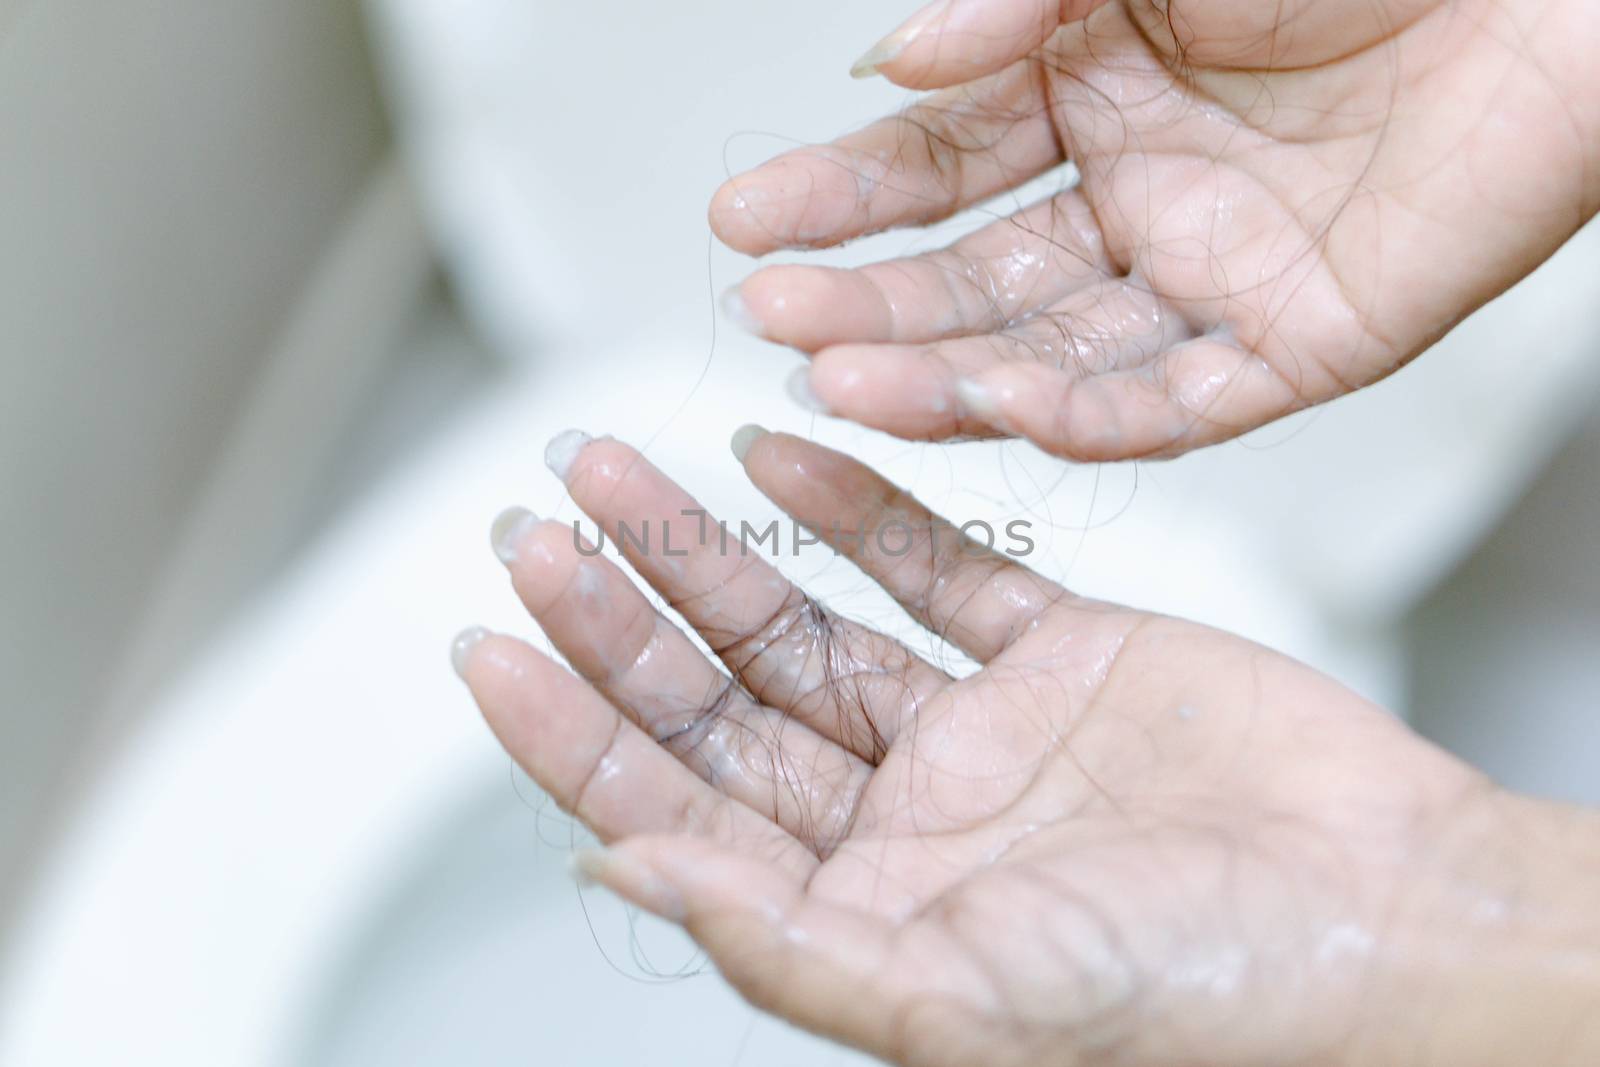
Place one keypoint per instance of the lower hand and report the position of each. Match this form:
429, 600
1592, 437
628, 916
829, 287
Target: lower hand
1124, 839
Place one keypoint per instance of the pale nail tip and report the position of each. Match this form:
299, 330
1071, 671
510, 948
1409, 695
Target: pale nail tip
562, 451
799, 389
461, 648
585, 865
738, 312
876, 56
507, 532
743, 438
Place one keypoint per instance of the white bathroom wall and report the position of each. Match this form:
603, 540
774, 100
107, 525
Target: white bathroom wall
173, 173
1505, 654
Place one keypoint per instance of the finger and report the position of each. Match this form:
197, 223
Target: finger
616, 640
912, 390
850, 684
949, 150
607, 631
953, 41
835, 970
978, 599
980, 284
593, 762
1196, 393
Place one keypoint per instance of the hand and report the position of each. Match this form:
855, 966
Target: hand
1125, 839
1279, 203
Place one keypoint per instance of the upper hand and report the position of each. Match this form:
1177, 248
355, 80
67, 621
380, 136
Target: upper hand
1279, 203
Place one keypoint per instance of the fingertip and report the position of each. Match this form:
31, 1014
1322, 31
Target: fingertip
776, 459
734, 217
809, 306
781, 460
630, 877
954, 41
717, 209
807, 198
737, 311
548, 555
562, 451
591, 466
894, 388
744, 438
870, 62
1059, 413
508, 530
800, 390
512, 682
462, 647
1026, 401
891, 46
702, 879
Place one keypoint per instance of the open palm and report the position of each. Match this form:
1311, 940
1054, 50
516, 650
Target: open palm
1279, 203
1125, 838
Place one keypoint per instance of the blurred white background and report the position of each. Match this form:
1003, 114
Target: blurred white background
292, 294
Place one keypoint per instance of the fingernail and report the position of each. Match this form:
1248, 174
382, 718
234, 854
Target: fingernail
886, 50
461, 648
563, 450
743, 438
508, 530
629, 878
736, 311
799, 389
588, 866
880, 53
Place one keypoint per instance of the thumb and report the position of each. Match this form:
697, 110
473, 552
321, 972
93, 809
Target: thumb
954, 41
833, 970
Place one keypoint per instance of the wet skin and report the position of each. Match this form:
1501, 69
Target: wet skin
1280, 203
1124, 839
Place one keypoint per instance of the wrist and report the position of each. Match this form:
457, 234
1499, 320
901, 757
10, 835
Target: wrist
1498, 952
